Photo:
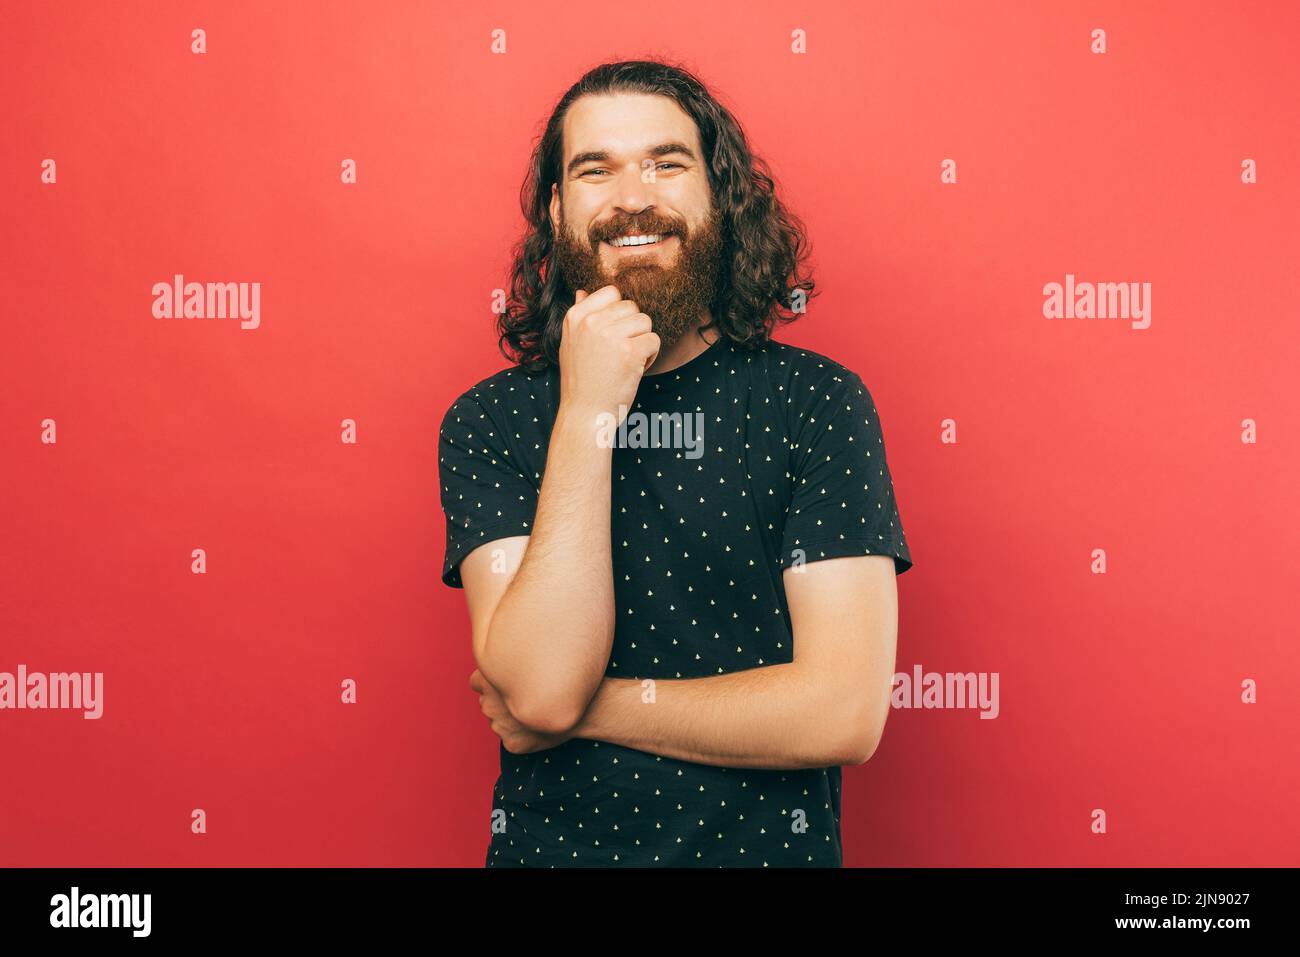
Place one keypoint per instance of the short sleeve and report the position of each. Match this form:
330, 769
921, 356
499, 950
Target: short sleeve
843, 499
486, 494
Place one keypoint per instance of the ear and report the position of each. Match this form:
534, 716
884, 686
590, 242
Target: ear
555, 209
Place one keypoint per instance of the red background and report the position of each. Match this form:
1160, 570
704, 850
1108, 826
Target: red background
1118, 691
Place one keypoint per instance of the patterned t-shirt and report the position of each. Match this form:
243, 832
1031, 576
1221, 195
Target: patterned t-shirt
727, 470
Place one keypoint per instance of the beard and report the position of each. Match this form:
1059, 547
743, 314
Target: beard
676, 296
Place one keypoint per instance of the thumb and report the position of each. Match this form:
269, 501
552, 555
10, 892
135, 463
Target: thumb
580, 296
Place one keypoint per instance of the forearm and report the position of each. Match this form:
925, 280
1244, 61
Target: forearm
550, 636
770, 717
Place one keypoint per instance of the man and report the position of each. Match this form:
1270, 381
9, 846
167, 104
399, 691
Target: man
682, 631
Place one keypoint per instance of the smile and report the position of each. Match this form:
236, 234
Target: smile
626, 244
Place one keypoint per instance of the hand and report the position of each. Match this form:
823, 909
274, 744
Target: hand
606, 344
516, 738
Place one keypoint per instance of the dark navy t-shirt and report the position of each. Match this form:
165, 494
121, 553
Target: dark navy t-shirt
728, 469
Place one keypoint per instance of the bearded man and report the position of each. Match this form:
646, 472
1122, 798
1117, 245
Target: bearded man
678, 647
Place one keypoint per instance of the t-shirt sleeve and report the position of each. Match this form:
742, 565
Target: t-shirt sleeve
843, 500
486, 493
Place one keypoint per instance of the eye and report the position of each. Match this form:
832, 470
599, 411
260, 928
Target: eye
668, 163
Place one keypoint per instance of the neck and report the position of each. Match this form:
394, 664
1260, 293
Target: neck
691, 344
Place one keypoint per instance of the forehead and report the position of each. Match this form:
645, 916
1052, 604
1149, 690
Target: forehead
626, 124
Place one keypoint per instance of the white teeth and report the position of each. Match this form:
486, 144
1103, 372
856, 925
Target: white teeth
633, 240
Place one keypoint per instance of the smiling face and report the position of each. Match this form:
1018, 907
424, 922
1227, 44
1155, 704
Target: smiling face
633, 167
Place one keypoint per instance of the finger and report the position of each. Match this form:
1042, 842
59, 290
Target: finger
650, 343
581, 295
623, 309
633, 323
594, 302
602, 297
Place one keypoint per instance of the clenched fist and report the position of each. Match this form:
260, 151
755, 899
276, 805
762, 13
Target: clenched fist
605, 347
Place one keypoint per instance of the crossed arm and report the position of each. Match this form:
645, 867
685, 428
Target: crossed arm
826, 707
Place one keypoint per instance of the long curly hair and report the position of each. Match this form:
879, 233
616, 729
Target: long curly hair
764, 245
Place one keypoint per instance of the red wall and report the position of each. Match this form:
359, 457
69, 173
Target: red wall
1119, 691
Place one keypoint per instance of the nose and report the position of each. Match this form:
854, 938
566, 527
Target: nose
635, 194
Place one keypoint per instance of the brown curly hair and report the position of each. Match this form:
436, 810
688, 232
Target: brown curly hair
764, 246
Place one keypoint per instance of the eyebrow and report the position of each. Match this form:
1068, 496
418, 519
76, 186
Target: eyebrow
601, 156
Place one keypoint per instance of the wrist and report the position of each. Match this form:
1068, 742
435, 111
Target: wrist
589, 725
583, 423
581, 410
